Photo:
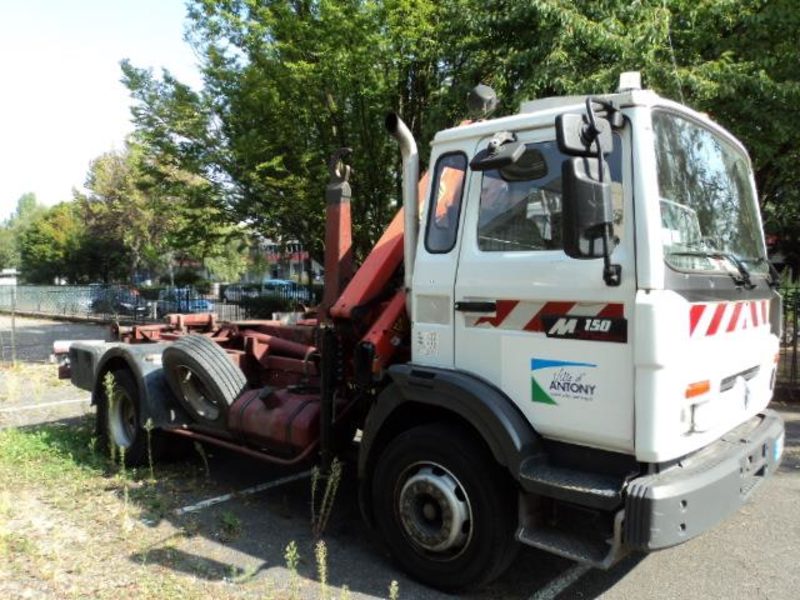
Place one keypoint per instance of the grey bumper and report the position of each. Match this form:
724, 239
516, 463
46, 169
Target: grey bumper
686, 499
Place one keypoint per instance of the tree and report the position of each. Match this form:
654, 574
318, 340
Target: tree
289, 81
26, 211
50, 246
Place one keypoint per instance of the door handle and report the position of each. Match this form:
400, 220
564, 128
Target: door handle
477, 307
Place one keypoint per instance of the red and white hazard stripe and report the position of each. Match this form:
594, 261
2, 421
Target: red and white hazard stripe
717, 318
520, 315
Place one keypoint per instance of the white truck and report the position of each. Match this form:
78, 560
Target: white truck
572, 345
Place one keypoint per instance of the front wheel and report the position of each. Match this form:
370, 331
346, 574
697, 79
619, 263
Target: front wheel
444, 507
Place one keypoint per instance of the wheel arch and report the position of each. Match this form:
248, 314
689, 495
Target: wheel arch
419, 395
155, 399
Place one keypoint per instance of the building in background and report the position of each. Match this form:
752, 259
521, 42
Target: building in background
274, 260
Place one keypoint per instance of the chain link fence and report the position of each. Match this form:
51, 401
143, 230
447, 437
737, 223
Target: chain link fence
125, 304
788, 364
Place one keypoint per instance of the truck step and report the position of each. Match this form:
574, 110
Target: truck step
581, 487
595, 552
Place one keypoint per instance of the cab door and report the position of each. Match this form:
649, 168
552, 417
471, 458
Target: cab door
543, 327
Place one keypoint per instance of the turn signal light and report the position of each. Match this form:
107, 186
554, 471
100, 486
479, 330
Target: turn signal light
698, 388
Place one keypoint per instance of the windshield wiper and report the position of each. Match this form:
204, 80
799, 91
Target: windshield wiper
743, 279
774, 278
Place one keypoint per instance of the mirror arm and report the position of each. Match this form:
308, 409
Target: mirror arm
612, 274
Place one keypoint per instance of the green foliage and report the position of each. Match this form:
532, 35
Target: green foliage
10, 232
286, 83
262, 307
231, 261
50, 246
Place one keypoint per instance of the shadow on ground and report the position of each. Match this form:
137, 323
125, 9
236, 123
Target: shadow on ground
245, 539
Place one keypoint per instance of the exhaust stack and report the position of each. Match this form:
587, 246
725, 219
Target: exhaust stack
408, 150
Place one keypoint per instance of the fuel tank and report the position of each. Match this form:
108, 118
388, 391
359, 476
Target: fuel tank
279, 419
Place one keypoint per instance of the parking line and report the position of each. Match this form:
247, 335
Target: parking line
560, 583
245, 492
42, 405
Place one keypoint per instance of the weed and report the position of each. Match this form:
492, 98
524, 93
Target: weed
320, 521
345, 593
315, 476
148, 427
394, 590
202, 452
292, 557
110, 389
321, 553
127, 523
231, 524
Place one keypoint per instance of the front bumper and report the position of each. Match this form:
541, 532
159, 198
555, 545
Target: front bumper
684, 500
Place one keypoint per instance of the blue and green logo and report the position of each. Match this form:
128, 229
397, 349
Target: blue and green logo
559, 379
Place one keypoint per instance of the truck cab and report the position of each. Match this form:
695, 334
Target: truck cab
678, 352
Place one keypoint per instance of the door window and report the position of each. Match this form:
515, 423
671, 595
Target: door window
520, 205
445, 207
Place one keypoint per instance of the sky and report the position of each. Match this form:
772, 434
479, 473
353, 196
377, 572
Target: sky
61, 100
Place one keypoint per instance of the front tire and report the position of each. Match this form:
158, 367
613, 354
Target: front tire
444, 507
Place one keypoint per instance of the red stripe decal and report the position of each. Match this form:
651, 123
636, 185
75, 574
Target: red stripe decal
695, 313
754, 313
504, 308
716, 319
737, 309
612, 311
551, 308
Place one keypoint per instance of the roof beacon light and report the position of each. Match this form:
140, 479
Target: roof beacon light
630, 80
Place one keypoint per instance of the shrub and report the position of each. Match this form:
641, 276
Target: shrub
262, 307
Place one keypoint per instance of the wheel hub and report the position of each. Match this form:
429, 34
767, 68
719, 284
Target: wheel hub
122, 419
434, 510
195, 394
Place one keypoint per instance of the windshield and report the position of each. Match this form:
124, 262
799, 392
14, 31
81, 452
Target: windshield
709, 218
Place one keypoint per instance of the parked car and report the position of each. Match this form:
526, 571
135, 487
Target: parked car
182, 300
119, 300
286, 288
235, 292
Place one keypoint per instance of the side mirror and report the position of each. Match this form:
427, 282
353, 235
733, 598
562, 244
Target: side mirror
503, 150
587, 208
578, 136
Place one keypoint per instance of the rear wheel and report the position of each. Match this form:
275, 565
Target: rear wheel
119, 422
444, 507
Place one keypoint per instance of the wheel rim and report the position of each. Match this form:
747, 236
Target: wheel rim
122, 419
195, 394
434, 510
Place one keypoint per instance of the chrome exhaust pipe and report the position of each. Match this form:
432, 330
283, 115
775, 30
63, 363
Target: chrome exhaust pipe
408, 150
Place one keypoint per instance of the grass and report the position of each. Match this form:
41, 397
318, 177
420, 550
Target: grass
25, 381
73, 525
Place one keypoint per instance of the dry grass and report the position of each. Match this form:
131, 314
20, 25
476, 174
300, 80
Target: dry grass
30, 382
67, 531
74, 525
